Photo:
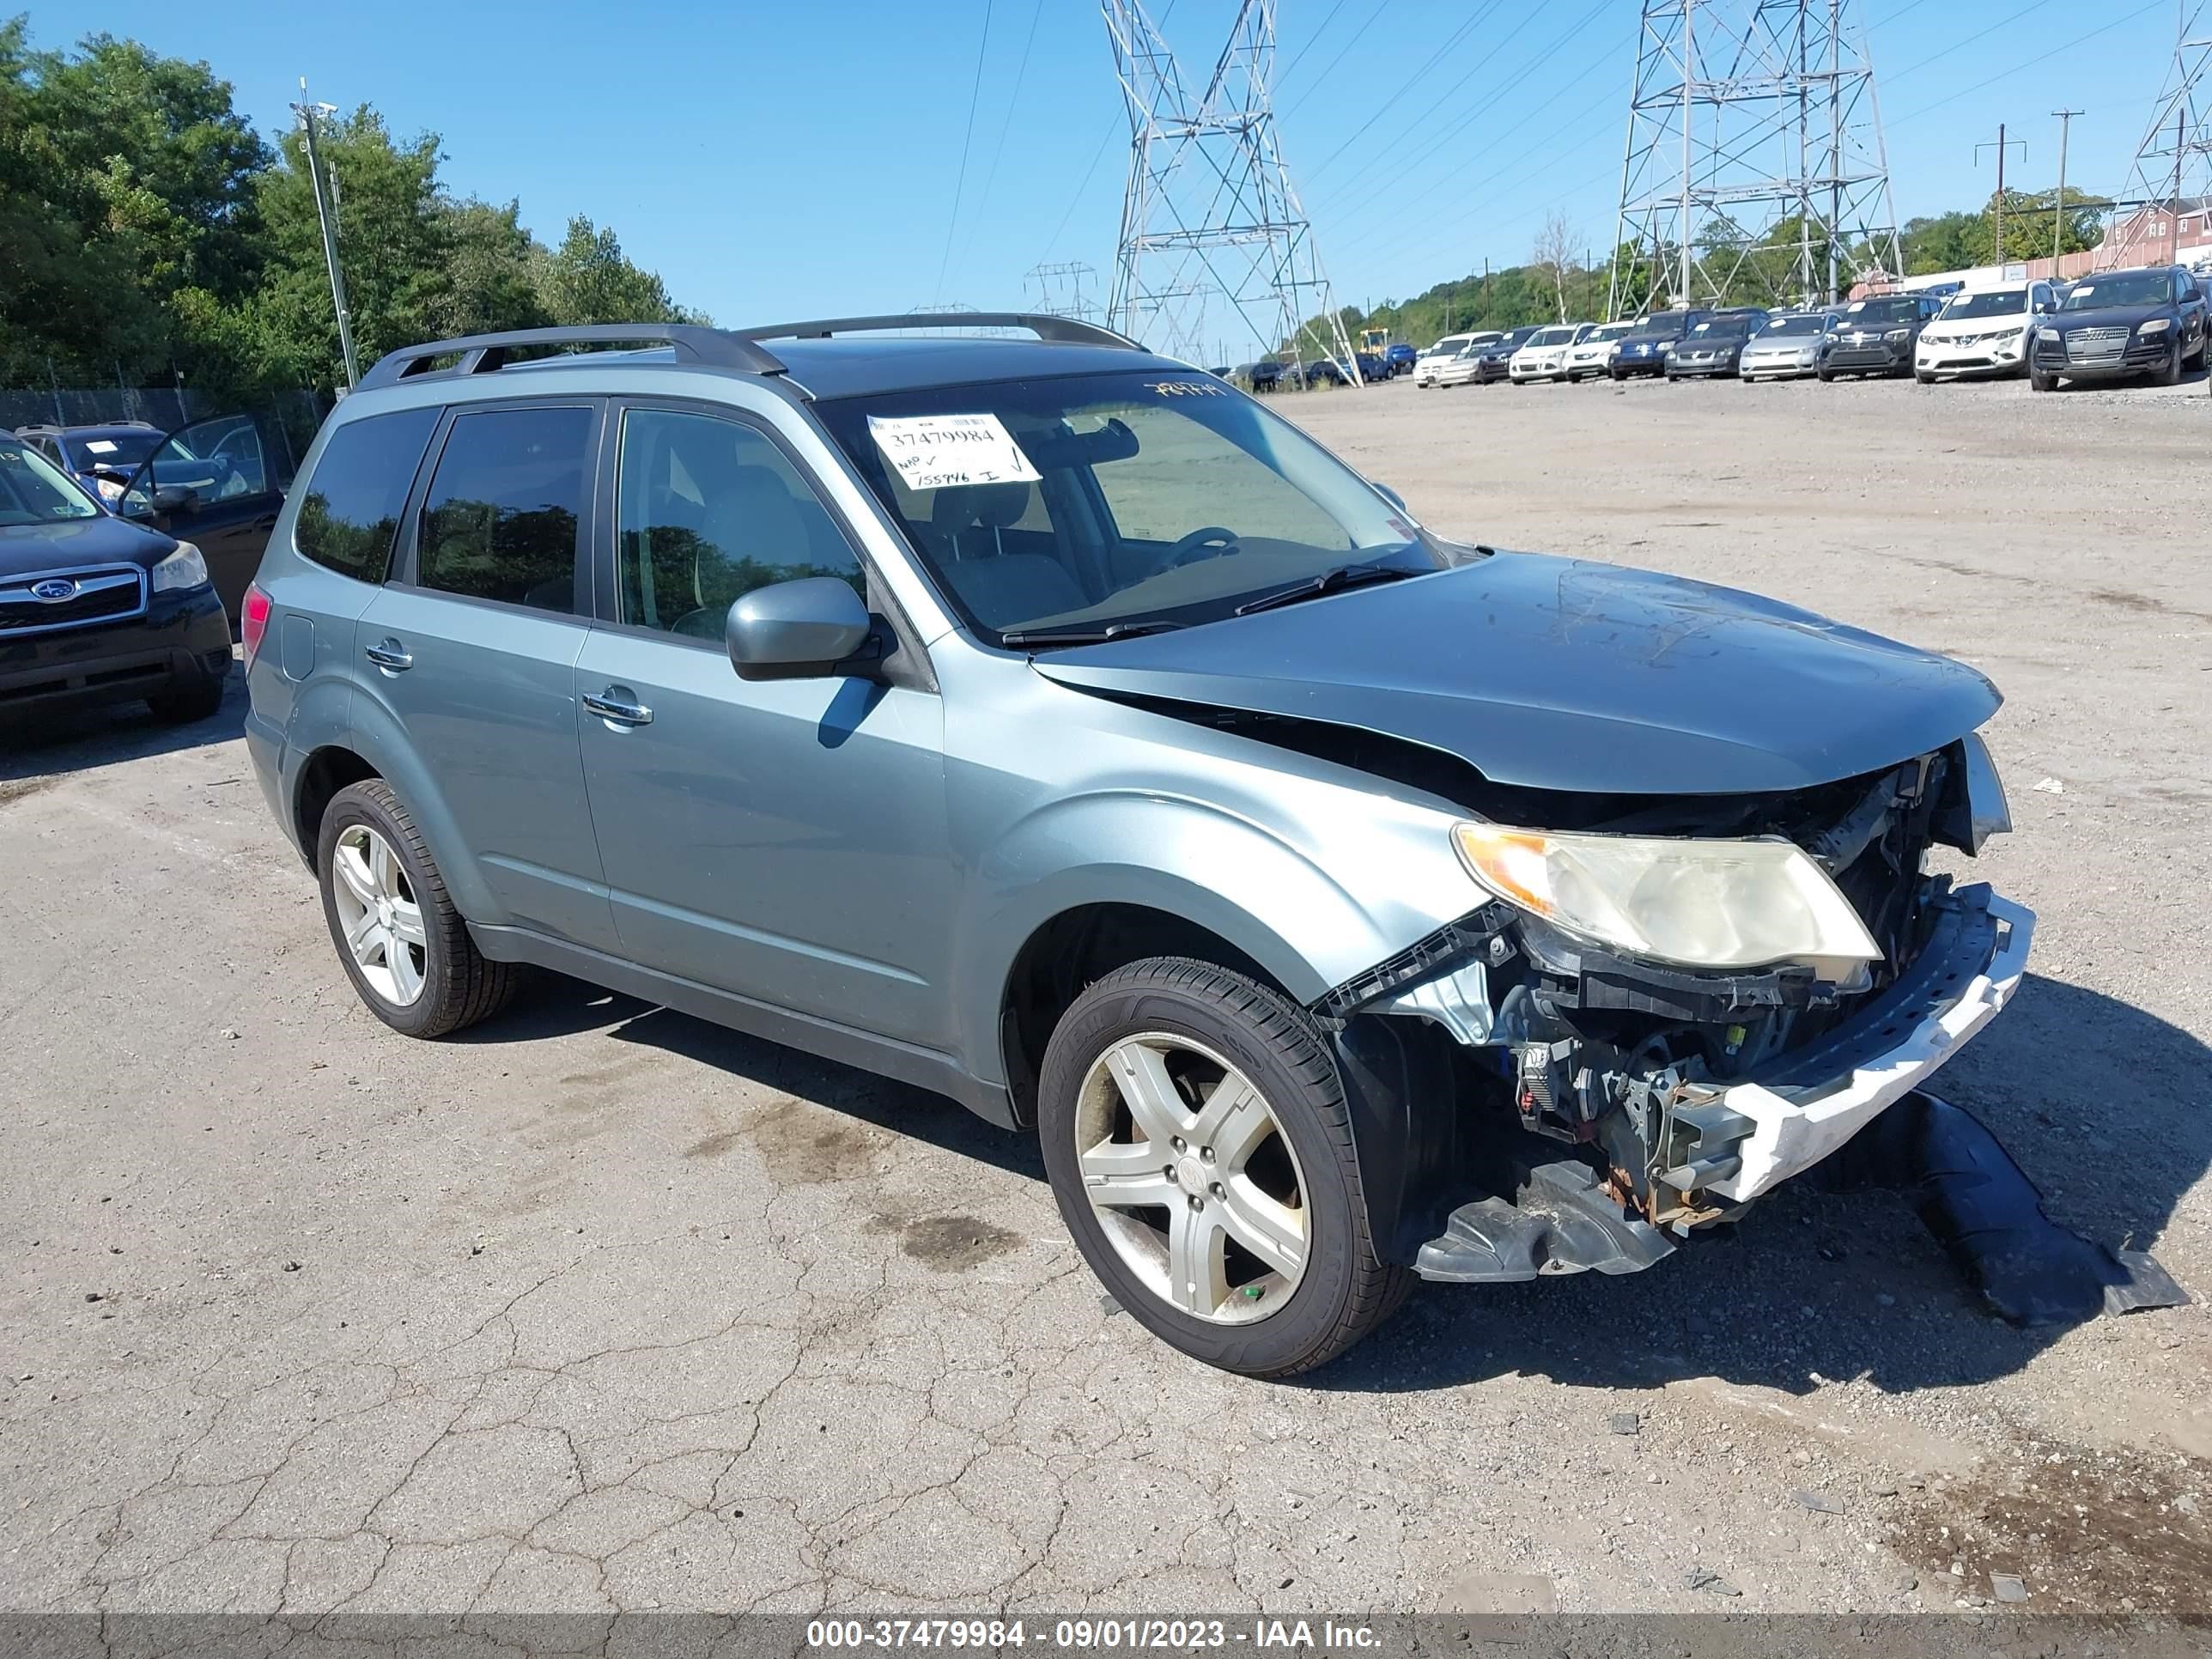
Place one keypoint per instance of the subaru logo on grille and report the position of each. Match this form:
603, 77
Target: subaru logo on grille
54, 590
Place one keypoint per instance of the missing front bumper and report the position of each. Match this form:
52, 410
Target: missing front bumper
1818, 1097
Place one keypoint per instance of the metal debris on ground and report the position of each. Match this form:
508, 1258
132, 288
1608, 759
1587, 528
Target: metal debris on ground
2006, 1588
1623, 1423
2051, 787
1819, 1502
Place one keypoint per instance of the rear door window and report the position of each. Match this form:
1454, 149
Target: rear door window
355, 499
504, 509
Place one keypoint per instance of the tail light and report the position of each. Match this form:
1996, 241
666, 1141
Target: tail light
253, 621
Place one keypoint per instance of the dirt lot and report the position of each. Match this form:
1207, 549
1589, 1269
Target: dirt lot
602, 1307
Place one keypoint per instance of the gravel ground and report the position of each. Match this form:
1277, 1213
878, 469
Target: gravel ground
602, 1308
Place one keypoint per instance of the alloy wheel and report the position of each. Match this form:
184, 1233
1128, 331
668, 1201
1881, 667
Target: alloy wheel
1192, 1178
378, 916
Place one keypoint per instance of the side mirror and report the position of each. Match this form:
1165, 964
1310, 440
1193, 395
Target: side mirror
1389, 496
173, 498
799, 630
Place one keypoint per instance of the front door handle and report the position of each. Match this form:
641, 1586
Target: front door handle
390, 655
617, 705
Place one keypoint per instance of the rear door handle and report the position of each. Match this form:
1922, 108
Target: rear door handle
617, 706
390, 655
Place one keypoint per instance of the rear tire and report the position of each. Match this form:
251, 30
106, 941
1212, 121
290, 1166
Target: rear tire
1169, 1034
424, 976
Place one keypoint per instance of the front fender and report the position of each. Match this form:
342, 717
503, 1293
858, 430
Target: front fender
1188, 857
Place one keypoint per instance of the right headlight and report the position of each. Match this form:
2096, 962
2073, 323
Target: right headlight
1718, 905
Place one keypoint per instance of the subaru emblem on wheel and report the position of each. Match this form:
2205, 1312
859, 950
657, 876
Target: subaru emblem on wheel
54, 590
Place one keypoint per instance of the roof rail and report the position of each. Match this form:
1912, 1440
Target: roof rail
693, 344
1066, 331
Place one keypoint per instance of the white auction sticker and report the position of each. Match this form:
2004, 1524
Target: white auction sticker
100, 445
932, 451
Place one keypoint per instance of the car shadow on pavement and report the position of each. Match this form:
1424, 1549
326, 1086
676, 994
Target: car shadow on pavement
2100, 1102
54, 744
556, 1006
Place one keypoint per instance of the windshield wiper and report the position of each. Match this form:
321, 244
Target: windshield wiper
1330, 581
1122, 630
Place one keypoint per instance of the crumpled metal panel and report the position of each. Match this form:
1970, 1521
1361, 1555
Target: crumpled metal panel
1553, 673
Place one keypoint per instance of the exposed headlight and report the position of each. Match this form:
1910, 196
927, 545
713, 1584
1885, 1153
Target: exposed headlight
181, 569
1701, 903
2046, 333
2155, 325
1897, 334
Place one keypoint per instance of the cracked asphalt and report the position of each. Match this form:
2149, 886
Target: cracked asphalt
601, 1307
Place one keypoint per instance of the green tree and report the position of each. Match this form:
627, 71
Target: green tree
589, 279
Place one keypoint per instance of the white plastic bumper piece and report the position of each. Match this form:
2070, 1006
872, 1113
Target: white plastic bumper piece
1796, 1128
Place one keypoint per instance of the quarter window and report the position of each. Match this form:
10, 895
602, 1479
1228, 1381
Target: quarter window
500, 519
709, 510
358, 491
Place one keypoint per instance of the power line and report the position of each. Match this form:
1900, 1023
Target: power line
1406, 85
960, 181
1294, 63
1405, 167
990, 177
1097, 157
1895, 75
2006, 75
1321, 81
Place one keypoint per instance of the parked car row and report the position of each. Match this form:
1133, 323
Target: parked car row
2150, 323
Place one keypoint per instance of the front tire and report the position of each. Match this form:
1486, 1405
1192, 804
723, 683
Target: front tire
2169, 371
2039, 382
1199, 1148
402, 943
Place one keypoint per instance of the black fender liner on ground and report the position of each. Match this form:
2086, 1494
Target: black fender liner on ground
1988, 1218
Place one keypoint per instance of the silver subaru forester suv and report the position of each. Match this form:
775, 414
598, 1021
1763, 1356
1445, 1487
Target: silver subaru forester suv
1046, 723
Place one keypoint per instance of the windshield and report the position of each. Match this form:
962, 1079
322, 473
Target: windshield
1450, 344
1901, 308
32, 491
1479, 343
1606, 331
1554, 336
1997, 302
1727, 327
2133, 288
126, 450
1813, 325
1151, 497
1658, 328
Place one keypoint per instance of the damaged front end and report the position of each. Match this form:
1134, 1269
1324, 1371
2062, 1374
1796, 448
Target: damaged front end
1612, 1089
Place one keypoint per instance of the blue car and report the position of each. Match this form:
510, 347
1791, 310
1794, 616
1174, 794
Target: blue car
1399, 359
1048, 724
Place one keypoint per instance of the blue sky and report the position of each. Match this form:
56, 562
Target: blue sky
804, 157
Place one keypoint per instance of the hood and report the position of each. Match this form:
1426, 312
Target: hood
102, 540
1552, 673
2106, 316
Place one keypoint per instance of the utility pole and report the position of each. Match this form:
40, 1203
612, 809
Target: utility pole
2059, 207
2173, 219
2002, 143
308, 112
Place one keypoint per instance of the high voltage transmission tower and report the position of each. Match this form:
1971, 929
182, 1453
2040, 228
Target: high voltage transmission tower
1755, 169
1060, 289
2174, 161
1209, 208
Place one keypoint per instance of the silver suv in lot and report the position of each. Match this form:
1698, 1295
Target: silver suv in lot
1046, 723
